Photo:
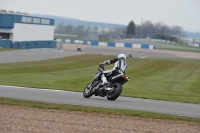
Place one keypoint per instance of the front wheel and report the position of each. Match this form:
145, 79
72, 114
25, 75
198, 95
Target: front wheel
88, 91
115, 93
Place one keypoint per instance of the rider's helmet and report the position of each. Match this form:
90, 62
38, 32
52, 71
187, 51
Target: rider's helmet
122, 56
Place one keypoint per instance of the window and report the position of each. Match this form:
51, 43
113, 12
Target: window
5, 35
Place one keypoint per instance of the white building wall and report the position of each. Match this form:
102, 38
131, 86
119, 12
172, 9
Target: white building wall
32, 32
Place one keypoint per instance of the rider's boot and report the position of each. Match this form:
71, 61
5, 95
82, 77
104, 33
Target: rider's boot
104, 80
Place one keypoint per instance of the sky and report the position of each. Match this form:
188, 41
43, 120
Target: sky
185, 13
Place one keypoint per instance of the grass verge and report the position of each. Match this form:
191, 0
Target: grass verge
178, 44
170, 80
69, 37
176, 59
182, 50
42, 105
81, 38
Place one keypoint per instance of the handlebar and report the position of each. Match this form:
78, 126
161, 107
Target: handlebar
101, 68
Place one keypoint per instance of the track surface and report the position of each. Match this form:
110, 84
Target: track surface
28, 55
137, 53
76, 98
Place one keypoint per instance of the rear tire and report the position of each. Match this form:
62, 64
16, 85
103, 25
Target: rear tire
113, 95
88, 91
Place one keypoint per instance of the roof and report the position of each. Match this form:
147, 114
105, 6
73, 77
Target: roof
6, 30
8, 20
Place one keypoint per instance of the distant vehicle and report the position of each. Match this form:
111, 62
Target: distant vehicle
112, 90
79, 49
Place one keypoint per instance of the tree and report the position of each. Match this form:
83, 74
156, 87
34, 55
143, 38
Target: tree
130, 31
147, 29
95, 29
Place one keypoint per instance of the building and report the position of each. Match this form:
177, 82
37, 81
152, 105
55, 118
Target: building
20, 30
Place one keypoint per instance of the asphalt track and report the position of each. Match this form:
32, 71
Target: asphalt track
76, 98
136, 54
33, 55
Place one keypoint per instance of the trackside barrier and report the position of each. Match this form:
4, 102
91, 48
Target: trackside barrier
108, 44
44, 49
154, 40
196, 45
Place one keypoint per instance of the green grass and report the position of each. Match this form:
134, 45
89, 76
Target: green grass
183, 50
171, 80
41, 105
69, 37
177, 59
6, 49
178, 44
81, 38
105, 40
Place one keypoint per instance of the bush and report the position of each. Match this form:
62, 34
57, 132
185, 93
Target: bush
166, 37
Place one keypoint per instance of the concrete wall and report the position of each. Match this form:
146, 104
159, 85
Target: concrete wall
27, 44
34, 44
5, 43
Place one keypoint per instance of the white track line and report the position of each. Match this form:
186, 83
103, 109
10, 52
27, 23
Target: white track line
39, 89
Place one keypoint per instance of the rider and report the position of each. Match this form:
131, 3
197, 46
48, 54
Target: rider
119, 67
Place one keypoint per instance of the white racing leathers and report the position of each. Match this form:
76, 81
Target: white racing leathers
119, 67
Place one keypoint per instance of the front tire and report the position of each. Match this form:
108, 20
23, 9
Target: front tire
88, 91
115, 93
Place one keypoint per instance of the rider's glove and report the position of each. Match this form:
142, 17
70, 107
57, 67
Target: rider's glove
104, 63
101, 64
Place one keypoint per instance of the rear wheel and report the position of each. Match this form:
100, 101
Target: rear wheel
115, 92
88, 91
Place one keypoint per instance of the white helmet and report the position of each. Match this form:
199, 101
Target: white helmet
122, 56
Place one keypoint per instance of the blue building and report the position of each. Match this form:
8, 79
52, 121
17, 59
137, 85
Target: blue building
23, 31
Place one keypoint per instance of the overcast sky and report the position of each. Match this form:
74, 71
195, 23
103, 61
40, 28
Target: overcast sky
185, 13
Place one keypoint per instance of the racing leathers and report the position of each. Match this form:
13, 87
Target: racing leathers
119, 67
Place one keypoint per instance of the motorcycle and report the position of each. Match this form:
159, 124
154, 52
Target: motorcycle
112, 90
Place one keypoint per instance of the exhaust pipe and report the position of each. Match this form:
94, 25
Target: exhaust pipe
117, 76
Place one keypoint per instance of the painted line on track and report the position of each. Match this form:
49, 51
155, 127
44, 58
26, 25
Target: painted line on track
39, 89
